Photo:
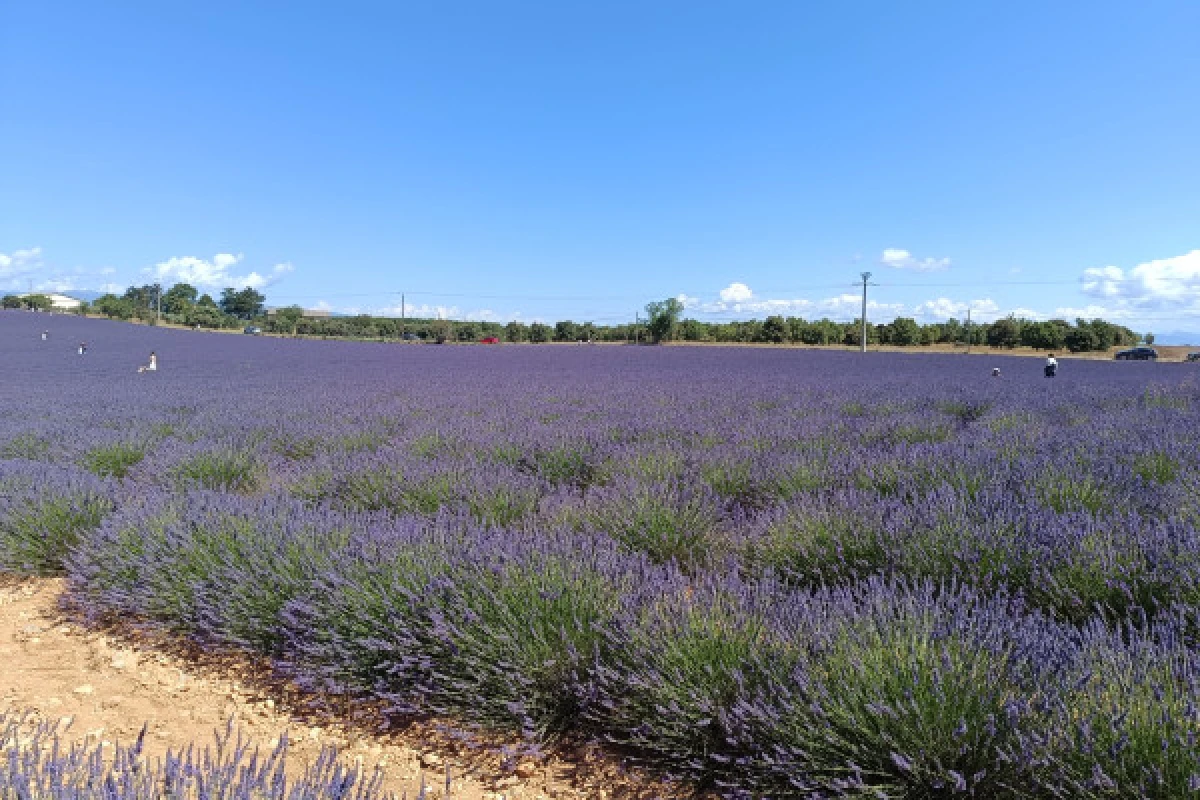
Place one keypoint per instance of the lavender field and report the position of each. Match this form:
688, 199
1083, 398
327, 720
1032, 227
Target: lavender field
779, 573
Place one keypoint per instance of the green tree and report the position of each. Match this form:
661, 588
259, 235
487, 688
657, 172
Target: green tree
1082, 339
144, 297
1148, 338
775, 329
813, 333
566, 331
244, 304
663, 319
179, 298
206, 315
386, 328
286, 319
953, 332
441, 330
1047, 335
796, 328
904, 331
114, 307
1107, 334
1004, 332
467, 331
540, 332
516, 332
692, 330
826, 332
852, 333
361, 326
10, 301
38, 302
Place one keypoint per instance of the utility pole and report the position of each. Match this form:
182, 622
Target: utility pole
968, 331
637, 327
866, 277
402, 309
158, 304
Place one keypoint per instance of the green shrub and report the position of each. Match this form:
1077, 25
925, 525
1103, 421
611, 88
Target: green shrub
36, 536
114, 460
230, 470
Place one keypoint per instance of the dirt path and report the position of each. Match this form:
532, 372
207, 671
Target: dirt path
105, 689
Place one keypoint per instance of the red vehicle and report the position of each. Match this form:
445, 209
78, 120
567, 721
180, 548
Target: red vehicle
489, 340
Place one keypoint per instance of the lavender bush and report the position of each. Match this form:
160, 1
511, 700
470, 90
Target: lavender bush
37, 762
43, 512
778, 573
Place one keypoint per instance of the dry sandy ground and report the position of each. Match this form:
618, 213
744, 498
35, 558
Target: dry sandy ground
105, 686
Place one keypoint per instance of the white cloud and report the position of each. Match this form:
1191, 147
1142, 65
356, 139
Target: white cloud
216, 274
896, 258
19, 264
60, 284
414, 311
1103, 281
1093, 311
849, 306
1165, 284
420, 311
943, 308
736, 293
738, 298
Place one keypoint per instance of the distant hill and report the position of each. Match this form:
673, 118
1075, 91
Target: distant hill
1177, 338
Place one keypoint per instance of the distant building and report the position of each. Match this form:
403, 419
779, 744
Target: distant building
316, 313
58, 302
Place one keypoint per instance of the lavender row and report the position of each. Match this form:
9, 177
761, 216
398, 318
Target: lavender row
37, 761
1073, 563
43, 512
897, 687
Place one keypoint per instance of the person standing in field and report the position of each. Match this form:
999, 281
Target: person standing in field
1051, 366
45, 335
152, 366
82, 348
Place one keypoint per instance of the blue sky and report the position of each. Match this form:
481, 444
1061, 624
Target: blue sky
577, 160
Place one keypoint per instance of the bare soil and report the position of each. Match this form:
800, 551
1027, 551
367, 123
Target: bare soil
102, 686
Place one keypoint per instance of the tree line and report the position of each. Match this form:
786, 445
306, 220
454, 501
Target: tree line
665, 322
182, 304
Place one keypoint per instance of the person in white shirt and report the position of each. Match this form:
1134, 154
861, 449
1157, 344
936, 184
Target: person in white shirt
152, 366
45, 335
1051, 366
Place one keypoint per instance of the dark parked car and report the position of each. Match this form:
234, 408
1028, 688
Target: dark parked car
1138, 354
411, 337
253, 330
1193, 357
